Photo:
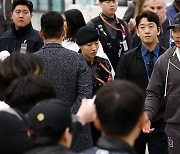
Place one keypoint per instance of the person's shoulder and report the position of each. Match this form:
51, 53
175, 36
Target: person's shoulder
163, 59
93, 21
171, 7
131, 52
50, 149
33, 33
104, 61
92, 150
7, 34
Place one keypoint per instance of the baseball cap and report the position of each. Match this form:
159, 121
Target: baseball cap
175, 22
86, 35
48, 120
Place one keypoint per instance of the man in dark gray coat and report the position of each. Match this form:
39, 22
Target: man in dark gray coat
164, 87
67, 70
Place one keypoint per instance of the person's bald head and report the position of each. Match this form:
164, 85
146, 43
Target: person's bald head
159, 7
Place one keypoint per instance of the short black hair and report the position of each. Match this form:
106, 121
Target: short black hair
119, 106
52, 24
75, 21
24, 92
28, 3
151, 17
18, 65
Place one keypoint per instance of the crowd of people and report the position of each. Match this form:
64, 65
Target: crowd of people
106, 86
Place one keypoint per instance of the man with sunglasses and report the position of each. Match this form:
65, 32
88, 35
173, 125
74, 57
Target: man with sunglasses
114, 33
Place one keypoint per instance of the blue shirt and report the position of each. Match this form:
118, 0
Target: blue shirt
146, 56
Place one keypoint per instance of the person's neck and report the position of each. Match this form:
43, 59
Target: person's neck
53, 40
150, 47
177, 5
129, 139
88, 58
162, 22
108, 15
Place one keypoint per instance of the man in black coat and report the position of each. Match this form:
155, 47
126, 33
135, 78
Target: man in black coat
114, 32
66, 70
21, 37
137, 65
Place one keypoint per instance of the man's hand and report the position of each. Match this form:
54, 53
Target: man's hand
147, 126
86, 112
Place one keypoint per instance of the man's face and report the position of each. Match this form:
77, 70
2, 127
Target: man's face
109, 7
147, 31
21, 16
176, 36
158, 7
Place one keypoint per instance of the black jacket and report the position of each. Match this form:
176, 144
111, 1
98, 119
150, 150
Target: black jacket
112, 40
12, 39
50, 150
98, 72
131, 67
111, 146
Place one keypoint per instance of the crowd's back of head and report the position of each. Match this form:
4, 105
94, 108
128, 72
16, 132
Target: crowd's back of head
52, 25
17, 65
119, 106
24, 92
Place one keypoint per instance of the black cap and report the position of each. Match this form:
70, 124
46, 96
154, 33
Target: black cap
86, 34
49, 119
175, 22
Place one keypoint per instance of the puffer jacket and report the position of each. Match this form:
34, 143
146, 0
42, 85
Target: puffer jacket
13, 39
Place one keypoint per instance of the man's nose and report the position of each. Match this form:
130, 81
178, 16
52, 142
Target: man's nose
155, 10
147, 30
21, 14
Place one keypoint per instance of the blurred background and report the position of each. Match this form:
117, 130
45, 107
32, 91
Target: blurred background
89, 8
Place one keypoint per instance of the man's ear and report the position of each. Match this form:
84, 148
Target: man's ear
66, 138
137, 31
97, 123
65, 135
41, 33
63, 33
11, 15
159, 30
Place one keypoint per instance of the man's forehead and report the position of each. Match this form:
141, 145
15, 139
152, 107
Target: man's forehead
21, 6
145, 21
156, 3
